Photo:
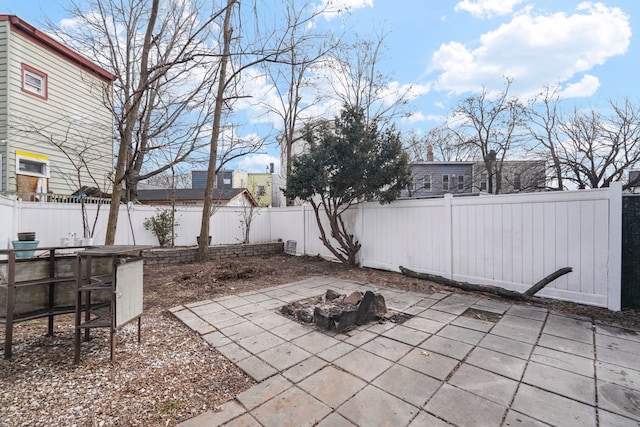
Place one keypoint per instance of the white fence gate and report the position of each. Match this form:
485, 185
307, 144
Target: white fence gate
510, 241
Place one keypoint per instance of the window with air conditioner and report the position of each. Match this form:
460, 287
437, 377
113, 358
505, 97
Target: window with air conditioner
34, 81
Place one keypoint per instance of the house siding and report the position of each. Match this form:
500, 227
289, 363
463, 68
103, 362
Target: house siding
74, 113
437, 170
4, 101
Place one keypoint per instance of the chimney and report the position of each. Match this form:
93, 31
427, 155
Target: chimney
271, 168
429, 153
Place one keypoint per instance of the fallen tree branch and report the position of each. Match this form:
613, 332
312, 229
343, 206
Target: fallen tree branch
528, 295
545, 281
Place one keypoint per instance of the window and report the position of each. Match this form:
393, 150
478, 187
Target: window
262, 191
34, 81
427, 182
460, 182
484, 179
517, 182
445, 182
32, 164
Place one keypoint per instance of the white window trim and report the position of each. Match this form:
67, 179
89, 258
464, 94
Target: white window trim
447, 182
28, 71
34, 158
426, 182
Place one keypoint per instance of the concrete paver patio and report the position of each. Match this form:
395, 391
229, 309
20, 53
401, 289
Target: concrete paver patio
530, 368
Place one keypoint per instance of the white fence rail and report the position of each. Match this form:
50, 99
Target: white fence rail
509, 240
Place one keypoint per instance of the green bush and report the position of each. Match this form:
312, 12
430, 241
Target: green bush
162, 225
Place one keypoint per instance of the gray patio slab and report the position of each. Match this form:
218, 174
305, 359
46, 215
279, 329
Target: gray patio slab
438, 316
491, 305
336, 351
433, 364
615, 331
234, 302
508, 346
617, 343
559, 381
406, 335
332, 386
618, 375
260, 342
447, 347
363, 364
289, 330
534, 313
518, 328
426, 419
292, 408
360, 337
304, 369
373, 407
465, 409
407, 384
566, 345
609, 419
475, 324
284, 356
260, 393
552, 408
514, 418
245, 420
619, 400
315, 342
568, 327
335, 420
271, 321
568, 362
487, 385
457, 333
230, 410
193, 321
234, 352
424, 324
216, 339
256, 368
241, 330
207, 308
499, 363
387, 348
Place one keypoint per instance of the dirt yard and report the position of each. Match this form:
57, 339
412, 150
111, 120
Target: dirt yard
173, 375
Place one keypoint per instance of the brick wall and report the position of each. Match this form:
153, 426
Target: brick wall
188, 255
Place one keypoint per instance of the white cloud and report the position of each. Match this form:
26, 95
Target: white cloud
334, 8
535, 50
582, 89
487, 8
258, 163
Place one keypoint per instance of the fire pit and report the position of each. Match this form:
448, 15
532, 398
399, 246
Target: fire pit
340, 313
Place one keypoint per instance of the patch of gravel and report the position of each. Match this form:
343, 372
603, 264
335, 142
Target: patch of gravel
173, 375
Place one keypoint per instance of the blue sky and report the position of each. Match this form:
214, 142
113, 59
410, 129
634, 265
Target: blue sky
450, 49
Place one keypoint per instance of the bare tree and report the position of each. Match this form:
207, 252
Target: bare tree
490, 126
292, 76
441, 141
164, 68
543, 123
598, 149
358, 82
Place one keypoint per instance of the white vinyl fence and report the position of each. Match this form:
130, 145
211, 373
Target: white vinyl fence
510, 241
